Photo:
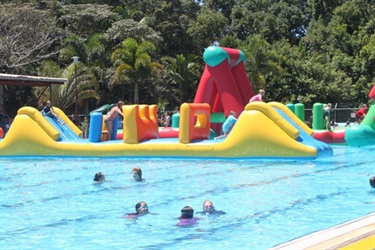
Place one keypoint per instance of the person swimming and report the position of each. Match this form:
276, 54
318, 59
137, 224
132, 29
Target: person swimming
209, 209
99, 177
186, 218
141, 208
137, 174
372, 182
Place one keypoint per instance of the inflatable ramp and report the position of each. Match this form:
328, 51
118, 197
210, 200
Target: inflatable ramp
66, 133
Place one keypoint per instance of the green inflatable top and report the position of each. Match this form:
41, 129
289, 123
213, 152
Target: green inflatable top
215, 55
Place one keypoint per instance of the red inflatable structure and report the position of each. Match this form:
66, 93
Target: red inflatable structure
224, 84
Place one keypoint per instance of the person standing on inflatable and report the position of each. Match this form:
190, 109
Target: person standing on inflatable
258, 97
230, 121
360, 114
326, 115
115, 111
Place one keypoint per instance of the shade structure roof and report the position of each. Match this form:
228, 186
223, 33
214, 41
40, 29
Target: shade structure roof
23, 80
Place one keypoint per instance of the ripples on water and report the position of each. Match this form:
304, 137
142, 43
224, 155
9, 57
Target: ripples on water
53, 203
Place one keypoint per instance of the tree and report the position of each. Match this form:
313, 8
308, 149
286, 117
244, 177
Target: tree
27, 37
184, 74
172, 20
223, 6
126, 28
209, 27
86, 20
133, 63
343, 40
274, 20
323, 9
261, 61
64, 96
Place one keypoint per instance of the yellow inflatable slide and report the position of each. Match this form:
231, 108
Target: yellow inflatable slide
262, 131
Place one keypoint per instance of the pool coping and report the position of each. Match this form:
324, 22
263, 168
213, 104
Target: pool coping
354, 234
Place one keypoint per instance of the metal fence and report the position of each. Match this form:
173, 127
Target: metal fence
337, 114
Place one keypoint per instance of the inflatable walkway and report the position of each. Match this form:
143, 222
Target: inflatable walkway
262, 131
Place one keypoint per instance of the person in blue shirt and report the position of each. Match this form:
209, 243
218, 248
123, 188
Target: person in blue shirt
228, 124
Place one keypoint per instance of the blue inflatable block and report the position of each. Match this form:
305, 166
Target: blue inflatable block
95, 128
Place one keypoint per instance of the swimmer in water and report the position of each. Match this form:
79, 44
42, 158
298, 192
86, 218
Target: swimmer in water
372, 182
99, 177
141, 208
209, 209
137, 174
186, 218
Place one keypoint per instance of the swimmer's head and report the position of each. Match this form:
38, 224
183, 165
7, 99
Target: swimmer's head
372, 182
99, 177
141, 208
208, 206
137, 174
187, 212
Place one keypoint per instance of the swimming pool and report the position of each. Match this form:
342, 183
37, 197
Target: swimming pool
52, 203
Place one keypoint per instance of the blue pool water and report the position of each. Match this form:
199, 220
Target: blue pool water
53, 204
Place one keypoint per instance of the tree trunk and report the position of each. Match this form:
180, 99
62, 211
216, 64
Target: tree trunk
136, 97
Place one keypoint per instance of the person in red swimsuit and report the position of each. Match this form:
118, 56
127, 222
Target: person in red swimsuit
361, 113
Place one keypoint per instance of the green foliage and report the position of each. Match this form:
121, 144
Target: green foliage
209, 27
87, 19
183, 74
151, 50
126, 28
84, 80
133, 63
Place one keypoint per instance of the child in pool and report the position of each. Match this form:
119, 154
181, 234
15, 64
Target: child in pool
141, 208
99, 177
137, 174
372, 182
186, 218
209, 209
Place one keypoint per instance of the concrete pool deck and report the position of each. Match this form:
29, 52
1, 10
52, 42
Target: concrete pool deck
358, 234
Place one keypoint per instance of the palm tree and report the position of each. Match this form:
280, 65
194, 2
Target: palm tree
260, 61
64, 95
133, 63
87, 86
183, 73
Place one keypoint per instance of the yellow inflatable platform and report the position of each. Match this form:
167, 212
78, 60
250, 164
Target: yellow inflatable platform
262, 131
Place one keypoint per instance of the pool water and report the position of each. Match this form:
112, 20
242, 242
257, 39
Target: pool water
52, 203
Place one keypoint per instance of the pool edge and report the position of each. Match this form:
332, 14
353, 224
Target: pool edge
345, 236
